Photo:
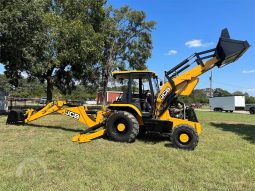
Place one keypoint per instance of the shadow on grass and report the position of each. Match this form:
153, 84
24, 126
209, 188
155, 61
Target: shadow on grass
54, 127
246, 131
154, 138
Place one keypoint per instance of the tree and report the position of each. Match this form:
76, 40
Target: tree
249, 99
218, 92
63, 43
19, 22
26, 89
4, 84
197, 96
127, 42
57, 42
237, 93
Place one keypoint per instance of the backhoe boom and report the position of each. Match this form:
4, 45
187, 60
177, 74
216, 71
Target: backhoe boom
79, 113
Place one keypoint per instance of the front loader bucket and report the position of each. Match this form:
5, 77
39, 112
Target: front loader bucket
229, 50
16, 117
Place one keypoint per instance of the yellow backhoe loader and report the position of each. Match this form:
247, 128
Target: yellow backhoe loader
143, 106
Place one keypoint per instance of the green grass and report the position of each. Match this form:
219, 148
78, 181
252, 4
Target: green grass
38, 157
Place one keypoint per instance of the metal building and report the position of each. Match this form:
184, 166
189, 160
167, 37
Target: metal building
111, 96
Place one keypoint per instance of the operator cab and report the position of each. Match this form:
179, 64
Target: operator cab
139, 87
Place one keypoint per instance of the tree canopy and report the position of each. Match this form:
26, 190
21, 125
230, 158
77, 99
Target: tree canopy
127, 42
65, 43
58, 42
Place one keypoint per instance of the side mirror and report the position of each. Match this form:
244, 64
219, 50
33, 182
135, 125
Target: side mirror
160, 83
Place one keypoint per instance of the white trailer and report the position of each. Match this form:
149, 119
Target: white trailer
228, 103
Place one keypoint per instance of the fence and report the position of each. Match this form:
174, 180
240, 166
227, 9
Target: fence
35, 103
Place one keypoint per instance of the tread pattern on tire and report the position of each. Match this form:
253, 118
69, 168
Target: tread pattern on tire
134, 130
191, 146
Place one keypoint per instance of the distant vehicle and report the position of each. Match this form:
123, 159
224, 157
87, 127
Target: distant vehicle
43, 100
228, 103
196, 105
250, 108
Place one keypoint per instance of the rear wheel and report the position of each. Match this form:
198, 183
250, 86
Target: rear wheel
218, 109
122, 126
184, 137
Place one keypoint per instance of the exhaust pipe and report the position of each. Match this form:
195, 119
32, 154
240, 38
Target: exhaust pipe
229, 50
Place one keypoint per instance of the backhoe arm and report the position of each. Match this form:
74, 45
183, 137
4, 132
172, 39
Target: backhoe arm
179, 83
79, 113
50, 108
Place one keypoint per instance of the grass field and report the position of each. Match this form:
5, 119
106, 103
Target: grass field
38, 157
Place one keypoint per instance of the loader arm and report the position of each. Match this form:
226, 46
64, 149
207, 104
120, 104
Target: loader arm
183, 83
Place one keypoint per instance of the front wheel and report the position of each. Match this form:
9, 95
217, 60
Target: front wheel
252, 110
122, 126
184, 137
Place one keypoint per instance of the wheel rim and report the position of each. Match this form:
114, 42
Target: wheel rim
184, 138
121, 127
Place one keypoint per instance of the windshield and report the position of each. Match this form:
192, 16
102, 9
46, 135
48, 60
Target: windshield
155, 86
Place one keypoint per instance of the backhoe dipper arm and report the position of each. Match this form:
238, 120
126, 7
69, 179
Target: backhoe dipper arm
79, 113
178, 83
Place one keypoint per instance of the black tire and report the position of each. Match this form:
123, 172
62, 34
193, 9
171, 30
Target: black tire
131, 130
231, 111
188, 130
252, 110
218, 109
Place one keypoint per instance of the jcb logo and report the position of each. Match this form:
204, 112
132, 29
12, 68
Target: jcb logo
72, 114
163, 95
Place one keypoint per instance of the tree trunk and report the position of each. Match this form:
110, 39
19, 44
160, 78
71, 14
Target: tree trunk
49, 89
107, 66
105, 82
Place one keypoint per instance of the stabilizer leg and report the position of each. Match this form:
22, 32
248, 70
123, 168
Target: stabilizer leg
83, 138
86, 136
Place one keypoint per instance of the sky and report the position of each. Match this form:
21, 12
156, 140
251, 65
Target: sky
184, 27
